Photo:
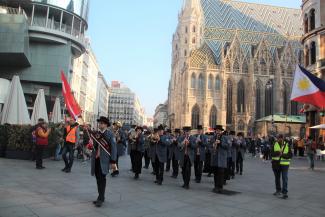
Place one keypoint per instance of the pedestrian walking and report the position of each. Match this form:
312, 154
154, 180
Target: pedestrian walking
281, 157
71, 138
311, 151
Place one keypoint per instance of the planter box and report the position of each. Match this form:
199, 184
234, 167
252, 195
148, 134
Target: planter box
3, 150
17, 154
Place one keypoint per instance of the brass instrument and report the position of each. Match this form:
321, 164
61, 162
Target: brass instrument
185, 143
133, 135
117, 136
154, 138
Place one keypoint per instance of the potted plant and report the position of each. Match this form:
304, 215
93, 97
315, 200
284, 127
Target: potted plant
3, 139
20, 143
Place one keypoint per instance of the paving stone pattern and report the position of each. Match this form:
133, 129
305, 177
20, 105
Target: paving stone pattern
27, 192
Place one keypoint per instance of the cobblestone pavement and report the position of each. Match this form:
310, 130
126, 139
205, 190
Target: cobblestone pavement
25, 191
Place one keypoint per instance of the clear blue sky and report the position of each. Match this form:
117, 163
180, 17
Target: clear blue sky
132, 42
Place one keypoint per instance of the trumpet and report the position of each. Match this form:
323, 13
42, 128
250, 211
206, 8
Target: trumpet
154, 138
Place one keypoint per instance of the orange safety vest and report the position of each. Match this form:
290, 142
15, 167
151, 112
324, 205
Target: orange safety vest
71, 134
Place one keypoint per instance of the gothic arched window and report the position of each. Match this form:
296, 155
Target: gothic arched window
256, 70
263, 66
272, 68
201, 82
218, 83
241, 125
185, 53
312, 19
193, 41
245, 67
227, 65
194, 29
285, 96
193, 80
210, 81
236, 66
241, 97
306, 23
213, 116
258, 99
306, 55
313, 53
229, 102
294, 108
268, 98
195, 116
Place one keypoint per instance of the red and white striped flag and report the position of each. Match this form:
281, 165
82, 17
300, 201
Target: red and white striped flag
71, 103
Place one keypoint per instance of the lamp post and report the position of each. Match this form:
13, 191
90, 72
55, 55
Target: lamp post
270, 86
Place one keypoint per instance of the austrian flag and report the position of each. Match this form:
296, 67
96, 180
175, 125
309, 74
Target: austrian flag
71, 103
307, 88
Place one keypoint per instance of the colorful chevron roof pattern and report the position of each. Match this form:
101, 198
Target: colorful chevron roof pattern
252, 23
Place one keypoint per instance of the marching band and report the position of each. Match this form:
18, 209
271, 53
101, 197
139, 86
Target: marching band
217, 153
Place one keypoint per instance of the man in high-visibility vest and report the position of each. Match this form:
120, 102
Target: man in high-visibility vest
71, 138
281, 156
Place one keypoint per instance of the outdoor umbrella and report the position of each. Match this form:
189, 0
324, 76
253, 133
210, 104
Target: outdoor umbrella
321, 126
15, 108
39, 110
56, 114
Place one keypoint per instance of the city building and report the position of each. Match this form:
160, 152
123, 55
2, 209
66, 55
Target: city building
39, 39
313, 40
102, 97
161, 115
233, 63
84, 78
124, 105
290, 126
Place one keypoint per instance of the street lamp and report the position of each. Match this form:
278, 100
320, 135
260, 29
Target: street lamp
270, 86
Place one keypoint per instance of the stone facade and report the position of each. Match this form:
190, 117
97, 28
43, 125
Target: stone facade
224, 54
313, 40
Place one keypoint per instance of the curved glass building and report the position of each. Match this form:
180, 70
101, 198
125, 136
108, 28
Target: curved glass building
39, 38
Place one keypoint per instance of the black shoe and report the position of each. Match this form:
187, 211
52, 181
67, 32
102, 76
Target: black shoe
153, 173
198, 181
159, 183
237, 172
277, 193
99, 203
43, 167
68, 170
209, 175
215, 190
241, 173
232, 177
284, 196
174, 176
39, 168
136, 176
187, 187
156, 181
64, 169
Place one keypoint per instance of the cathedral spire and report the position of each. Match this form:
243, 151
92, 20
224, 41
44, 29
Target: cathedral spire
191, 4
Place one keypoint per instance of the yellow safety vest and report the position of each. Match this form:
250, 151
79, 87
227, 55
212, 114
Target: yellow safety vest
277, 148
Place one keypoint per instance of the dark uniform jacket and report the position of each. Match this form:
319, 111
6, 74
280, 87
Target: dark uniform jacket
105, 159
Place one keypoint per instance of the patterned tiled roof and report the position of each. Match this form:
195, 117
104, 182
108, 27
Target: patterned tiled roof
251, 22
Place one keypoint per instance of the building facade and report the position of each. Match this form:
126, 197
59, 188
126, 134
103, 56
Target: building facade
161, 115
124, 105
38, 40
84, 77
313, 40
232, 63
102, 97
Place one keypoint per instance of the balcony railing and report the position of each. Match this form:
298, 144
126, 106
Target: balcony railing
14, 11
